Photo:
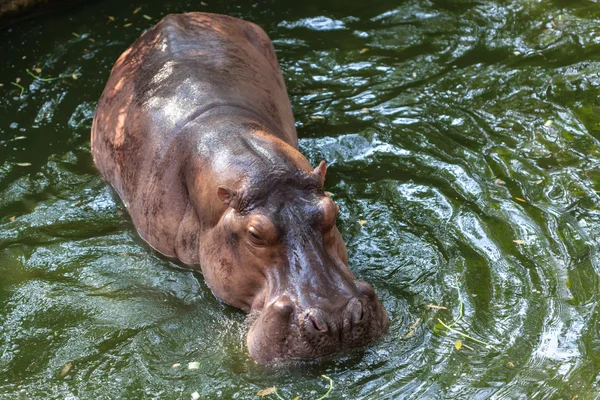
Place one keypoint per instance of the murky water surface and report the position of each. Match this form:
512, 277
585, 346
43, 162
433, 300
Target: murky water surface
462, 139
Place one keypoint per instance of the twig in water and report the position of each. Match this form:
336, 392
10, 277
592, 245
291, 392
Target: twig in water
460, 315
467, 336
330, 387
41, 79
20, 87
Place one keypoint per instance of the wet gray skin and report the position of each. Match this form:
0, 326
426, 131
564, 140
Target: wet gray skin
435, 119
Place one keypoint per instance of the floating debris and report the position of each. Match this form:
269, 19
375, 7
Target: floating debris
266, 392
176, 365
539, 182
127, 25
548, 123
458, 344
111, 18
517, 53
149, 18
414, 325
317, 117
414, 74
520, 199
436, 307
273, 390
203, 4
364, 50
11, 219
65, 370
195, 395
39, 78
23, 164
77, 35
194, 365
500, 182
366, 110
519, 241
362, 222
460, 315
137, 10
19, 86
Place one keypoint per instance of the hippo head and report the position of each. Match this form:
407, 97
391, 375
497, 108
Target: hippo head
276, 252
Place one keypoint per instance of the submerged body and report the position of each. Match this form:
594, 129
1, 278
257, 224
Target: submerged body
195, 132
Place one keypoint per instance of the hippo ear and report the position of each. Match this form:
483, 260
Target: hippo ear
321, 170
225, 194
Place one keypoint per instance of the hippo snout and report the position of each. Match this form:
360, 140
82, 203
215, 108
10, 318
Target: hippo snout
286, 330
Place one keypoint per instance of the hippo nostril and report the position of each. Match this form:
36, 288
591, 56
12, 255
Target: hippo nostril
317, 322
365, 289
356, 310
283, 307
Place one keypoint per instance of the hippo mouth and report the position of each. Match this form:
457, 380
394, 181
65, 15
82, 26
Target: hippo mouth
283, 331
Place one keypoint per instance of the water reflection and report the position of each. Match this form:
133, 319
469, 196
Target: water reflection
462, 139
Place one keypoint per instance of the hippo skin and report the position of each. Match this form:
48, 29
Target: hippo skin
195, 132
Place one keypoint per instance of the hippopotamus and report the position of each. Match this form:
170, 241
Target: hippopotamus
195, 132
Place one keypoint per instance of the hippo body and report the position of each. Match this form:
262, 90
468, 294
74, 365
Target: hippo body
195, 132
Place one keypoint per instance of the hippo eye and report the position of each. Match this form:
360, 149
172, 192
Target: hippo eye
253, 232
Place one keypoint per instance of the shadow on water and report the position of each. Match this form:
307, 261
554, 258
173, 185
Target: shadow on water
462, 138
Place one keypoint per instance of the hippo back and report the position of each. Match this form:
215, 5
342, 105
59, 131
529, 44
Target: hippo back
179, 70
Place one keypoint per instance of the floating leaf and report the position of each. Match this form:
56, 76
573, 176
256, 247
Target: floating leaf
203, 3
362, 222
500, 182
458, 344
267, 391
317, 117
20, 138
127, 25
510, 364
436, 307
539, 182
77, 35
413, 326
195, 395
519, 241
111, 18
520, 199
1, 84
149, 18
364, 50
414, 74
137, 10
365, 110
548, 123
11, 219
38, 70
194, 365
17, 80
65, 370
74, 76
408, 334
23, 164
176, 365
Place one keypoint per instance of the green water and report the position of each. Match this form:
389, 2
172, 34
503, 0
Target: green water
452, 129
